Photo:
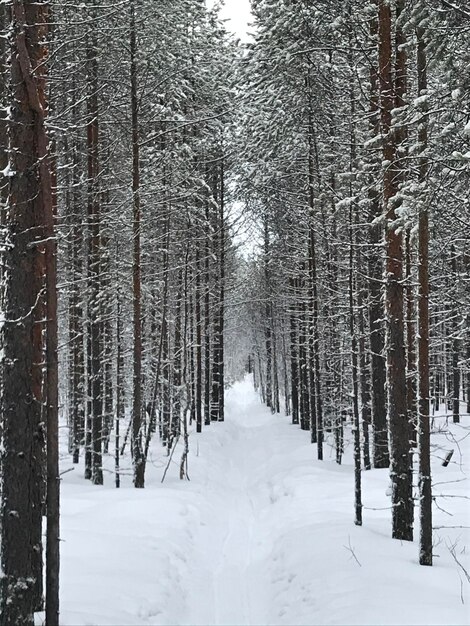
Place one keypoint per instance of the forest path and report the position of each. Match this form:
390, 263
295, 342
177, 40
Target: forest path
232, 544
262, 534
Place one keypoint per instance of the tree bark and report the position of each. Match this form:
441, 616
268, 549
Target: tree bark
198, 324
207, 316
137, 452
316, 407
29, 212
391, 96
268, 318
95, 421
375, 263
221, 312
455, 347
294, 364
425, 487
48, 174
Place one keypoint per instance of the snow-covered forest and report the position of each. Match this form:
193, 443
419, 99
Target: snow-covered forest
235, 313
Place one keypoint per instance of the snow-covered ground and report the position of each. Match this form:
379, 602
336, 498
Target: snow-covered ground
262, 534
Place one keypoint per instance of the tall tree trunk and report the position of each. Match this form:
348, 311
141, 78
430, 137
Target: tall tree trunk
137, 452
317, 409
94, 340
364, 382
76, 326
285, 370
177, 360
29, 218
165, 387
294, 340
410, 341
77, 381
268, 318
306, 420
185, 354
355, 385
4, 81
119, 406
400, 470
219, 242
455, 347
207, 316
467, 383
375, 310
221, 311
107, 343
198, 324
192, 350
352, 289
49, 174
276, 403
425, 488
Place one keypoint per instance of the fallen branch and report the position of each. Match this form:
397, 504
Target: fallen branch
447, 459
70, 469
170, 458
351, 550
452, 551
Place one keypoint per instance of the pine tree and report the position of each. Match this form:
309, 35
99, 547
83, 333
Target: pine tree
29, 222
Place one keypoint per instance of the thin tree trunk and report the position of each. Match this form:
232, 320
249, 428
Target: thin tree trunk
377, 335
198, 323
468, 365
425, 488
355, 394
352, 288
268, 319
222, 295
294, 340
317, 408
49, 176
177, 359
285, 369
165, 391
77, 375
119, 394
218, 315
276, 403
306, 421
207, 318
94, 340
410, 342
455, 348
137, 453
185, 381
364, 384
192, 351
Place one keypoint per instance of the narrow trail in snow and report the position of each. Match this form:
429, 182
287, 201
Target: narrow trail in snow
238, 590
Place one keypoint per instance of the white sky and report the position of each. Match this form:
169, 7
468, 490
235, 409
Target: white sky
239, 14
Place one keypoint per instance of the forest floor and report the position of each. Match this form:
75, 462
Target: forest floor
261, 534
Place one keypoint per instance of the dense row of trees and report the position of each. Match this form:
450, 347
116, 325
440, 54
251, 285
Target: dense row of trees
130, 183
127, 129
354, 164
151, 133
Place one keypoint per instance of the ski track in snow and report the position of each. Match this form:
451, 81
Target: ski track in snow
262, 534
237, 580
